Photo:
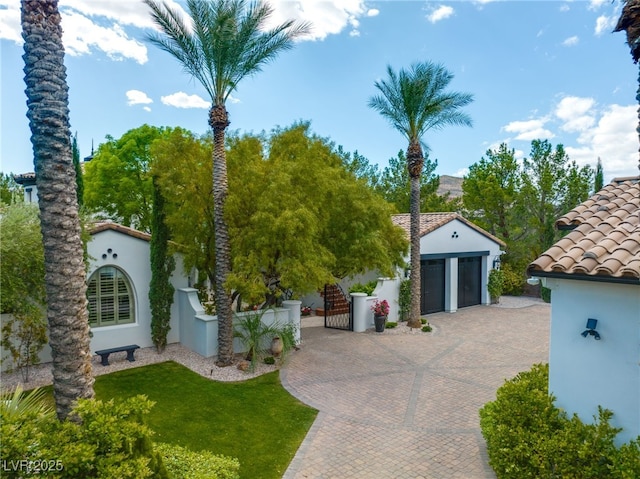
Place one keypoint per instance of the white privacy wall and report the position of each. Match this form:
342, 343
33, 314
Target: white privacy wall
585, 373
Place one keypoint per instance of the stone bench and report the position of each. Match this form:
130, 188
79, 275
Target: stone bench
104, 353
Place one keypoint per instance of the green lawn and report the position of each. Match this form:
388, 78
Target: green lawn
256, 420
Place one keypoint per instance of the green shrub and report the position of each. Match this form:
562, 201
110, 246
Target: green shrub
108, 441
545, 293
495, 285
423, 321
404, 299
529, 437
427, 329
390, 324
364, 288
269, 360
513, 280
185, 464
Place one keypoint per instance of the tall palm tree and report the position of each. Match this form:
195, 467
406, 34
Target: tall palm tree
225, 41
629, 21
414, 101
65, 277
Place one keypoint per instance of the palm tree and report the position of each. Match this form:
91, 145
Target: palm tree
226, 41
65, 277
629, 21
414, 101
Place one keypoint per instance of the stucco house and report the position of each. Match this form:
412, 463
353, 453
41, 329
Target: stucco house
594, 277
456, 257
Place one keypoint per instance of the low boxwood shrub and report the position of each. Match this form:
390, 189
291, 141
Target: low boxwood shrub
527, 436
390, 324
426, 329
183, 463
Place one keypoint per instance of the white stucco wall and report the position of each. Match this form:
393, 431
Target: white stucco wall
458, 237
585, 373
131, 255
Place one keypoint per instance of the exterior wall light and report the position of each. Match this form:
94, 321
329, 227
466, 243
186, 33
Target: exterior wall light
533, 280
591, 329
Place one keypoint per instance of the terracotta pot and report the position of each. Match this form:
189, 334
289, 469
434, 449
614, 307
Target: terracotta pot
276, 346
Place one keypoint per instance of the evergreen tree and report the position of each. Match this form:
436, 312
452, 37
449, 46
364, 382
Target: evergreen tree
162, 265
75, 152
599, 180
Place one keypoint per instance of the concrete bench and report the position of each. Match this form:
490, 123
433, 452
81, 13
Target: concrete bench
104, 353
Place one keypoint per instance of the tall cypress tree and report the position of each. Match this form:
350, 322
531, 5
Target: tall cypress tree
75, 153
162, 265
599, 179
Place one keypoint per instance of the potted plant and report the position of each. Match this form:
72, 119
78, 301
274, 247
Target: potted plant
305, 310
380, 312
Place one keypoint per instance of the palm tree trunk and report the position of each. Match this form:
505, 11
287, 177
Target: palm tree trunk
219, 121
65, 276
415, 161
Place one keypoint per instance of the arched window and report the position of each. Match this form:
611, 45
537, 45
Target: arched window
110, 298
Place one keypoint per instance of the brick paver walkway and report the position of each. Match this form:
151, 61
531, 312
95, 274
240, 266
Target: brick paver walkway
396, 406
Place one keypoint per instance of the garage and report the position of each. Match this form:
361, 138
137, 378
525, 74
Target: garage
432, 283
469, 281
456, 257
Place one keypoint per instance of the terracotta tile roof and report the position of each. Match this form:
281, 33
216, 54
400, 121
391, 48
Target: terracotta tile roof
26, 179
110, 225
432, 221
604, 242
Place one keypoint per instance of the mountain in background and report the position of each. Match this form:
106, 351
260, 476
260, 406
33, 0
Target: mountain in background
450, 184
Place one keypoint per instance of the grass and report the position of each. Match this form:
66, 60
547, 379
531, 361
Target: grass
256, 420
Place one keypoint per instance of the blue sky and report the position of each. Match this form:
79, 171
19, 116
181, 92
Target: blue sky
537, 69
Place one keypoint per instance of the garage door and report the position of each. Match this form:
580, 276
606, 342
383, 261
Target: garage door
432, 283
469, 282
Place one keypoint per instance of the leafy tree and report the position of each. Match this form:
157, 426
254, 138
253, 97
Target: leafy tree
182, 169
65, 278
360, 167
599, 177
22, 289
10, 191
490, 191
162, 265
414, 101
394, 186
117, 179
629, 21
225, 42
551, 186
287, 236
75, 152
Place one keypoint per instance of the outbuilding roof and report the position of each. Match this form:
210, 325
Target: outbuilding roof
604, 242
432, 221
110, 225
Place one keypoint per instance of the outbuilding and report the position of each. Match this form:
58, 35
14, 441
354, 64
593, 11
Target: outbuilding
456, 257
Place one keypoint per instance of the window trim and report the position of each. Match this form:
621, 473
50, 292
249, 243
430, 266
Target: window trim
116, 291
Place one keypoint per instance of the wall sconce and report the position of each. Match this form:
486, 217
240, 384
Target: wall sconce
496, 262
591, 329
534, 280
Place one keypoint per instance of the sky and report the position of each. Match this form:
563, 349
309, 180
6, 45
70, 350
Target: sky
536, 69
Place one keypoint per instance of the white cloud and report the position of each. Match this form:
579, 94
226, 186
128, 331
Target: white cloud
529, 129
613, 139
576, 113
182, 100
596, 4
571, 41
605, 24
326, 17
137, 97
441, 13
565, 8
10, 21
80, 35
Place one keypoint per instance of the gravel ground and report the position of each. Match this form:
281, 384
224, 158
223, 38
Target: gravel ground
40, 375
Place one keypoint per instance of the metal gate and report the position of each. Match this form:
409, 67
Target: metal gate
338, 309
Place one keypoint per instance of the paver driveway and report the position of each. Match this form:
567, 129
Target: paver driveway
406, 405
